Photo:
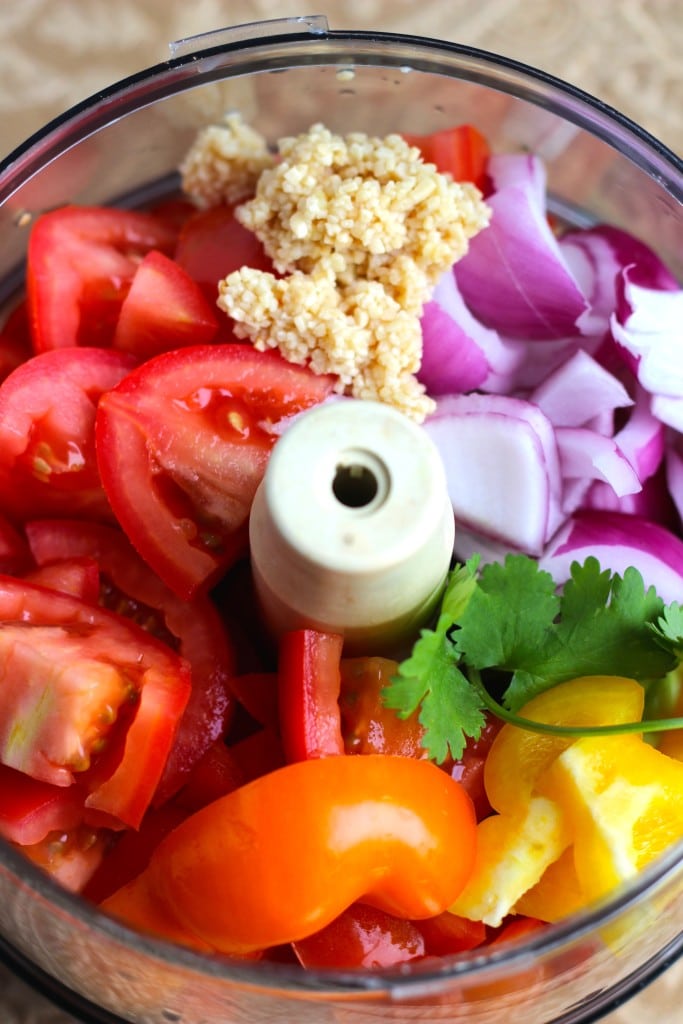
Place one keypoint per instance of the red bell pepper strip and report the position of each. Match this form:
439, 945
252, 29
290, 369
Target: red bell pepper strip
309, 682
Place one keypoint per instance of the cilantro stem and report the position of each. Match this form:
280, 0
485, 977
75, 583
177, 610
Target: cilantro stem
623, 728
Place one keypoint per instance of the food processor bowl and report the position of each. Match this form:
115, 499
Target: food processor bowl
123, 146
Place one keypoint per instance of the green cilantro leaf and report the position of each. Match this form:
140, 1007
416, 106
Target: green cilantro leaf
450, 709
668, 629
510, 615
602, 626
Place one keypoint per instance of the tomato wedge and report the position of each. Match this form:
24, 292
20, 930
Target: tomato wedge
80, 263
164, 309
86, 696
368, 725
462, 152
47, 445
194, 430
79, 577
194, 628
362, 936
70, 856
29, 808
212, 243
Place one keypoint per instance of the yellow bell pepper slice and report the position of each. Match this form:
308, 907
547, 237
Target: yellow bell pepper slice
513, 852
624, 801
518, 756
557, 894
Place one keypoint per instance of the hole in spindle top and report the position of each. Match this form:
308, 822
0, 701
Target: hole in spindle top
354, 485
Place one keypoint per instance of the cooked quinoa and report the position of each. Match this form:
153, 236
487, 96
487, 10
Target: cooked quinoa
224, 163
361, 229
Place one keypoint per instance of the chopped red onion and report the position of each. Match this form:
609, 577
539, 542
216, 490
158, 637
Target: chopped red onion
502, 467
642, 438
647, 324
579, 390
458, 353
514, 277
587, 455
653, 501
595, 256
674, 476
619, 541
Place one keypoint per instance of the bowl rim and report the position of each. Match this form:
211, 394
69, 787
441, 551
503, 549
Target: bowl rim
181, 72
367, 48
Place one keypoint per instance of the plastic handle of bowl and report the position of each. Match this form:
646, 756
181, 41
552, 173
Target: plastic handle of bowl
314, 24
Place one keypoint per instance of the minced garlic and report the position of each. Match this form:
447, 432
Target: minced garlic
357, 332
361, 230
224, 163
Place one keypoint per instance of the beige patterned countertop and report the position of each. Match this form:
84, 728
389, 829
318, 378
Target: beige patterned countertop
627, 52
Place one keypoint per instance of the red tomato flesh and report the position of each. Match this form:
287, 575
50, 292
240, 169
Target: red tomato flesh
309, 682
80, 264
76, 679
462, 152
130, 588
164, 309
193, 429
362, 936
212, 243
79, 577
47, 444
29, 808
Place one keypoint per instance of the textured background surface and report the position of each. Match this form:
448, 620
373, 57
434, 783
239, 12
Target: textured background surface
627, 52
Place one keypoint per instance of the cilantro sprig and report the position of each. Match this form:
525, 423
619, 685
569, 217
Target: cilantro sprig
450, 707
509, 618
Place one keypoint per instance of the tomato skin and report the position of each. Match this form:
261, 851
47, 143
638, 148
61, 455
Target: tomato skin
462, 152
70, 642
368, 726
30, 808
212, 243
130, 851
361, 936
217, 773
309, 682
80, 262
163, 310
15, 557
15, 340
516, 928
188, 425
79, 577
130, 588
393, 832
469, 770
257, 692
47, 419
448, 933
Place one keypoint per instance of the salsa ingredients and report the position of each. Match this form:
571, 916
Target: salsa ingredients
561, 340
509, 617
615, 800
396, 832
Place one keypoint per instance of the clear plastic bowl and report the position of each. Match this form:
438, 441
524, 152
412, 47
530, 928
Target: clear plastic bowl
123, 146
